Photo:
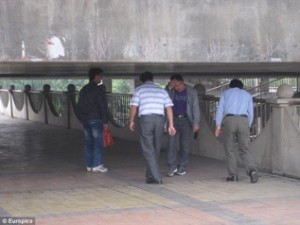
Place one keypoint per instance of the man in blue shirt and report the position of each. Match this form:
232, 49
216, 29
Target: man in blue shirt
235, 113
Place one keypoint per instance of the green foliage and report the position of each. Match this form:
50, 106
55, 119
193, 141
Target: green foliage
120, 86
61, 84
162, 85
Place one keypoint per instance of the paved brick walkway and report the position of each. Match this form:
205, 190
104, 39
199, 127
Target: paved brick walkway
42, 175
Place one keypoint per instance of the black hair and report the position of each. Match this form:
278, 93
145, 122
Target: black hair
236, 83
146, 76
94, 72
176, 76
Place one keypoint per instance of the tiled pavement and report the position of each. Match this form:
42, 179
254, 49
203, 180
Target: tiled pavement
42, 175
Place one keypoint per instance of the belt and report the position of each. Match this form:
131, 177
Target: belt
152, 114
237, 115
180, 116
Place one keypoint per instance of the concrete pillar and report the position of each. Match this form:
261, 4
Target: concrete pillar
277, 142
281, 136
131, 86
108, 84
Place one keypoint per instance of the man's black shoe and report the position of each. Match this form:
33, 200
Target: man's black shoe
232, 178
151, 181
253, 176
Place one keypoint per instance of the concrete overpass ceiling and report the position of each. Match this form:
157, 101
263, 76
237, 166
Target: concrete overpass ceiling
128, 69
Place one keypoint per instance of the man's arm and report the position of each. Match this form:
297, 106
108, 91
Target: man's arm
219, 116
196, 112
133, 111
217, 131
250, 112
102, 103
171, 128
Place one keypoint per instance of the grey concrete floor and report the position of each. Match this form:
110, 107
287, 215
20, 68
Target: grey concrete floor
42, 175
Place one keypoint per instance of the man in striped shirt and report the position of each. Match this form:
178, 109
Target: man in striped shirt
151, 102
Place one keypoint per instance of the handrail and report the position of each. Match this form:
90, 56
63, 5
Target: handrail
262, 111
119, 110
257, 91
57, 103
218, 87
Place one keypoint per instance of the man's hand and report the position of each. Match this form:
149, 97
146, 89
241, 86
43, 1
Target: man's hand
171, 130
196, 129
131, 126
218, 131
171, 84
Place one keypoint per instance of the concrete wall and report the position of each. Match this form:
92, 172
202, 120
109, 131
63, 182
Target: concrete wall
285, 142
207, 144
150, 30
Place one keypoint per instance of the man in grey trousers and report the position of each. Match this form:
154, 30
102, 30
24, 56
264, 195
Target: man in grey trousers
186, 113
235, 116
151, 102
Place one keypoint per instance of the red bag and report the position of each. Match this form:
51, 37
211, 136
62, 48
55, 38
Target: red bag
107, 138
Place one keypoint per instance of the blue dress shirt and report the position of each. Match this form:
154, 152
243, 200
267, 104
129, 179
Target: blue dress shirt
235, 101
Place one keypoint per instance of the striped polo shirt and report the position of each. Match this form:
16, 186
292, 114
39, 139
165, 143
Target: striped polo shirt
151, 99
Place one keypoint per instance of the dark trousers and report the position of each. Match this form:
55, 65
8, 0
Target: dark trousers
93, 131
182, 141
152, 128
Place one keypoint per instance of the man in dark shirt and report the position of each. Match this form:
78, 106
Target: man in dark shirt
186, 114
92, 113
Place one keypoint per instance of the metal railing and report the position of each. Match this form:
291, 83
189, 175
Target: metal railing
257, 88
262, 111
119, 110
268, 90
61, 103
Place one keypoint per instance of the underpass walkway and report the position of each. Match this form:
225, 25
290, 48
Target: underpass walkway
42, 175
